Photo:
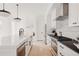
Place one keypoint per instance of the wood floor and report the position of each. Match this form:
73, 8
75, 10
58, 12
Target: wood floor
40, 49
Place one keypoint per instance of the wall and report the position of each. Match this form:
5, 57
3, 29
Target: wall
65, 9
5, 29
54, 12
28, 25
32, 16
72, 32
51, 22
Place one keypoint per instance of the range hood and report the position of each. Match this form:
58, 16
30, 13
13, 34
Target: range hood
64, 12
60, 18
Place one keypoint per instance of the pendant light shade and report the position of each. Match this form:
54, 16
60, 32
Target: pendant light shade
17, 18
4, 12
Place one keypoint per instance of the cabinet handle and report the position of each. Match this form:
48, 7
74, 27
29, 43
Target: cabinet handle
74, 23
61, 54
61, 47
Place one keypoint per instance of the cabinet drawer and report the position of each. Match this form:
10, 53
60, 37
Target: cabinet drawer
69, 52
64, 50
60, 46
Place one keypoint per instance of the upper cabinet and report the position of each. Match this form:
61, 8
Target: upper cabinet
65, 9
73, 14
59, 10
62, 10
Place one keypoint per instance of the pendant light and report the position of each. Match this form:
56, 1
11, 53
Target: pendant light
17, 18
4, 12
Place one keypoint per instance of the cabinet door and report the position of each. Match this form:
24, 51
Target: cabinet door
65, 51
73, 14
78, 13
21, 50
60, 49
69, 52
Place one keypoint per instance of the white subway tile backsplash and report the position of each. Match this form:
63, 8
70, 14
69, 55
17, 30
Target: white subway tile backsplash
72, 32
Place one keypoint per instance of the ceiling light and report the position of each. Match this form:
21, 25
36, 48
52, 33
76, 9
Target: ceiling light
4, 12
17, 18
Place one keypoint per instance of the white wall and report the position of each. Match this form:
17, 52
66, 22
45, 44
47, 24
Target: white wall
27, 25
72, 32
5, 29
31, 15
51, 22
69, 31
59, 10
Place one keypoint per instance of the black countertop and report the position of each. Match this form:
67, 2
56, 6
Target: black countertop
67, 42
70, 45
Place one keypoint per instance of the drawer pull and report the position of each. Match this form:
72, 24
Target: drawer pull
61, 54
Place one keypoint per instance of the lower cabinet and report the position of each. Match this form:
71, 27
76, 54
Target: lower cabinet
24, 48
65, 51
21, 50
28, 47
54, 46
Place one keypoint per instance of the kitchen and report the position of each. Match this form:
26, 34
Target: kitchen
31, 24
66, 25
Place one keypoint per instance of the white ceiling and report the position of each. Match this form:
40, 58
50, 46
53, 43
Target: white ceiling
27, 9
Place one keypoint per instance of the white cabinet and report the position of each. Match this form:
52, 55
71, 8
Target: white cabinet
21, 50
53, 43
62, 10
54, 46
73, 14
51, 19
18, 47
59, 10
28, 45
65, 51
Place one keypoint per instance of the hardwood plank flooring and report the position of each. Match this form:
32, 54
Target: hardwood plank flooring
40, 49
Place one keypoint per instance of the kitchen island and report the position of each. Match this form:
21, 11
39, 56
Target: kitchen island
15, 46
